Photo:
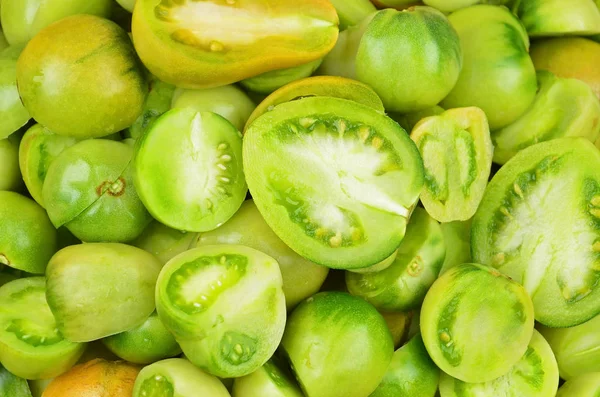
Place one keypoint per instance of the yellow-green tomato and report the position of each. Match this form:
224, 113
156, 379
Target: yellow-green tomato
23, 19
203, 44
557, 18
96, 290
497, 75
301, 277
12, 112
476, 323
337, 345
81, 77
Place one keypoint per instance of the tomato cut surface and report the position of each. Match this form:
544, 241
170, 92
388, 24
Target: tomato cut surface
334, 179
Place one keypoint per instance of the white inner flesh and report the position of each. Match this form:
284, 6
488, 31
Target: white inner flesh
542, 228
238, 26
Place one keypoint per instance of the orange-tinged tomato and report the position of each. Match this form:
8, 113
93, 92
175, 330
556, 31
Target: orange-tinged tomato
96, 378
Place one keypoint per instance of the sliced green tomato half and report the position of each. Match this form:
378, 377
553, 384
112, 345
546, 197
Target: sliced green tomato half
177, 377
225, 305
457, 154
534, 375
31, 346
188, 170
539, 223
334, 179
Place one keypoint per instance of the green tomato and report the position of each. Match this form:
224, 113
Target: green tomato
177, 377
97, 290
457, 236
23, 19
562, 107
467, 314
372, 168
539, 223
227, 101
457, 155
80, 77
337, 345
157, 102
575, 348
352, 12
429, 50
148, 343
12, 112
188, 170
10, 174
38, 148
27, 237
199, 44
534, 375
270, 380
402, 286
30, 344
163, 242
89, 186
411, 373
301, 277
225, 305
13, 386
498, 75
587, 385
268, 82
556, 18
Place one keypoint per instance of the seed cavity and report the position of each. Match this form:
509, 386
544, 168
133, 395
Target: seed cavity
237, 348
415, 267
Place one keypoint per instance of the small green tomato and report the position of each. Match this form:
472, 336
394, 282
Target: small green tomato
337, 345
163, 242
476, 323
557, 18
497, 75
268, 82
225, 305
411, 373
81, 77
97, 290
534, 375
145, 344
27, 237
